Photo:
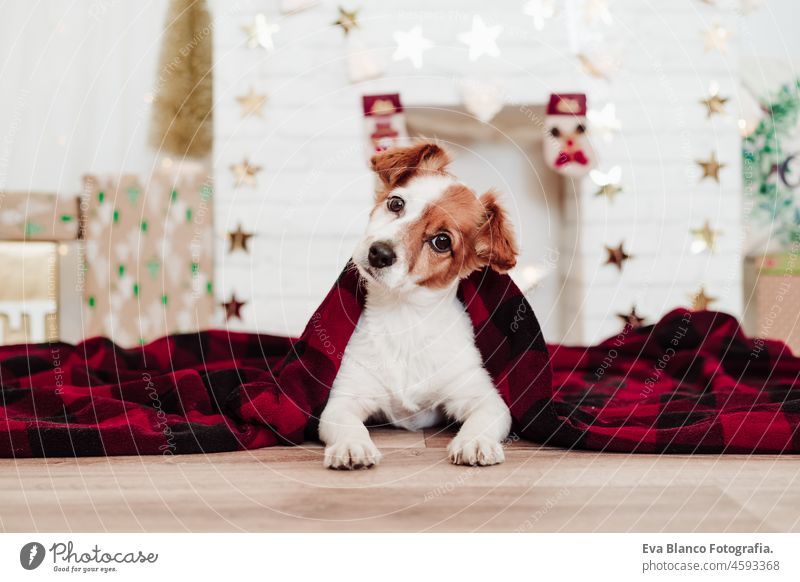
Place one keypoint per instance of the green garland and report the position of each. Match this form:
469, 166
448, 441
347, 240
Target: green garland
765, 166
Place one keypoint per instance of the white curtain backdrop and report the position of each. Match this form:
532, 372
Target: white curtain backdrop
76, 79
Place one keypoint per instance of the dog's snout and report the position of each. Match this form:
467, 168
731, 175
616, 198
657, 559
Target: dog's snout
381, 255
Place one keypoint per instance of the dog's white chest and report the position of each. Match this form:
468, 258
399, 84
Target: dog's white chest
403, 359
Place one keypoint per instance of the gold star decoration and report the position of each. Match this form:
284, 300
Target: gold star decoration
632, 319
348, 20
617, 256
595, 10
233, 307
252, 103
717, 38
609, 191
711, 167
238, 239
705, 238
715, 104
590, 67
245, 173
259, 33
608, 182
700, 300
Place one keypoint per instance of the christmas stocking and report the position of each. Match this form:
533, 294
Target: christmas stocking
385, 122
566, 147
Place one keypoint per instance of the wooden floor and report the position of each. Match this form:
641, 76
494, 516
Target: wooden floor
414, 489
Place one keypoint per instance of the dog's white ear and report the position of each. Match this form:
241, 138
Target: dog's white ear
396, 166
495, 244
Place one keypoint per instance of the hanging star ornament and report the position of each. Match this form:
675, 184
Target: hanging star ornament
252, 103
259, 33
701, 301
233, 308
608, 182
245, 173
540, 10
632, 319
705, 238
714, 104
717, 38
710, 167
597, 10
238, 239
482, 39
411, 45
617, 256
591, 68
483, 99
610, 191
604, 122
347, 21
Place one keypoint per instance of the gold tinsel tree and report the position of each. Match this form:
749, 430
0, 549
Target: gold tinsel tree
181, 122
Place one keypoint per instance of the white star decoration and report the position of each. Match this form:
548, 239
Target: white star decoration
604, 121
259, 34
541, 10
482, 39
605, 179
411, 45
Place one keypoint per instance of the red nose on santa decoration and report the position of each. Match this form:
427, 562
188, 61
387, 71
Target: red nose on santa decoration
567, 149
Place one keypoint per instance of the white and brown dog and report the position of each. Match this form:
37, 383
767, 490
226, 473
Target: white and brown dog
412, 359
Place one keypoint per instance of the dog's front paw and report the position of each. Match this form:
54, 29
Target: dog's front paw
480, 450
352, 455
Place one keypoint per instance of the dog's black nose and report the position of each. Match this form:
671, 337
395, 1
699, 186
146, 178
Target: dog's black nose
381, 255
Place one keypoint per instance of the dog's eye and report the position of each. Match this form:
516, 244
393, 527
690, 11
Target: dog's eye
395, 204
441, 243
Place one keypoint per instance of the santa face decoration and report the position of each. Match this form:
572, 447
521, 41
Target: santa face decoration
567, 148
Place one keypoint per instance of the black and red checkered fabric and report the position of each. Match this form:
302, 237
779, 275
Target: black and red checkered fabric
691, 383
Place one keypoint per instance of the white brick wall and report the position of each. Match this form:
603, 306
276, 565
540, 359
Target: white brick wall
313, 194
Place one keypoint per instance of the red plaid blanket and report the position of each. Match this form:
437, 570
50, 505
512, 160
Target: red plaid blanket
690, 383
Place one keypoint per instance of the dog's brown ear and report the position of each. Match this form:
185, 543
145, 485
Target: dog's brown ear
495, 244
395, 166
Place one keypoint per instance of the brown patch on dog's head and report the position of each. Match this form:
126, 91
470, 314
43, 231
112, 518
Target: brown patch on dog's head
458, 215
479, 232
396, 166
419, 206
495, 244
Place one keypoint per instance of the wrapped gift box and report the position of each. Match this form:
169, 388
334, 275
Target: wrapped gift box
38, 216
774, 299
29, 293
38, 233
148, 255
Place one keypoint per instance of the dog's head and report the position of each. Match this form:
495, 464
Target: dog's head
427, 229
